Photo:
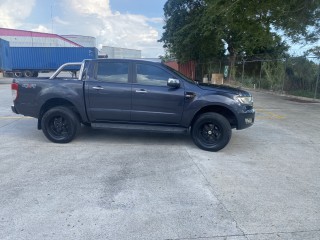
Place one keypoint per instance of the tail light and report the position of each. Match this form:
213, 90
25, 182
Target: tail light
14, 89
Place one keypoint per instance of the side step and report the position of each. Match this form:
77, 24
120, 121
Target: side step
140, 127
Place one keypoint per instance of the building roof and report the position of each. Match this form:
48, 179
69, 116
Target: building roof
24, 33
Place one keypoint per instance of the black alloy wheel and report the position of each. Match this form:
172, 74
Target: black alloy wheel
211, 132
60, 124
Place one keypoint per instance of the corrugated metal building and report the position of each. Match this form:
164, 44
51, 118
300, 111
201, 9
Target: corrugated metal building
22, 38
116, 52
84, 41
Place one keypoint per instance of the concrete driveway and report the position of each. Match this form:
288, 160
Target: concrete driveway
130, 185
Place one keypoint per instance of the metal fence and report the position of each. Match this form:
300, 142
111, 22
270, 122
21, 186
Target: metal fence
295, 75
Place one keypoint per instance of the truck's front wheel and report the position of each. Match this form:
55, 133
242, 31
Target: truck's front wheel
211, 132
17, 74
60, 124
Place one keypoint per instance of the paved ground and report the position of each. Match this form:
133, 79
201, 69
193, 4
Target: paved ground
114, 185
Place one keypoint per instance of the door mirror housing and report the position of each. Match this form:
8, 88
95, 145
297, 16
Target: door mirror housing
173, 83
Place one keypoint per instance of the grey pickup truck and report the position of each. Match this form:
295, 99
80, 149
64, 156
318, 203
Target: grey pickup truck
132, 94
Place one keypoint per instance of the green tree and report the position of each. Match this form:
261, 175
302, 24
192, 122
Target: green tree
249, 26
315, 52
183, 36
197, 29
274, 74
301, 74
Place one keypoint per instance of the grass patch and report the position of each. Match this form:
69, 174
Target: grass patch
303, 93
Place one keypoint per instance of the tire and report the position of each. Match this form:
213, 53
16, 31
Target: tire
28, 74
35, 74
60, 124
17, 74
211, 132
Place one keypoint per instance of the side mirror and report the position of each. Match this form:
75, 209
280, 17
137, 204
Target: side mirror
173, 83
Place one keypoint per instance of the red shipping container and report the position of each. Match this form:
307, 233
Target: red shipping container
188, 69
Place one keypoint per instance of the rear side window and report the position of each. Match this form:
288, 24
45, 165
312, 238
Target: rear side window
112, 72
152, 75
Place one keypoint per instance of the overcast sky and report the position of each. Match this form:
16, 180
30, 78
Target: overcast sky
135, 24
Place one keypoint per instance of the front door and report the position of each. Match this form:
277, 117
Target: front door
152, 100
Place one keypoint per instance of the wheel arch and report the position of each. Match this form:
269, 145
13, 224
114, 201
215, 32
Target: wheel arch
224, 111
56, 102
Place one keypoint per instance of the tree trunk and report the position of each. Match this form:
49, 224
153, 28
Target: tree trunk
232, 59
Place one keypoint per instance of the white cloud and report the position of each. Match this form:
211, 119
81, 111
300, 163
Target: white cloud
13, 13
95, 7
41, 28
58, 20
91, 18
156, 20
95, 18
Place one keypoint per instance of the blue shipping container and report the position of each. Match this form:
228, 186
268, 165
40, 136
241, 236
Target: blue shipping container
48, 58
5, 56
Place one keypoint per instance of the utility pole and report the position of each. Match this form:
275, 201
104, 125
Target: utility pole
317, 83
284, 76
52, 3
242, 76
260, 74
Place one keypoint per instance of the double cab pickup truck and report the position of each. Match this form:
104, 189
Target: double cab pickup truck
132, 94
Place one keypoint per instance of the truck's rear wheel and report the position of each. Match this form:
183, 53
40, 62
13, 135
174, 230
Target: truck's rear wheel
211, 132
60, 124
28, 74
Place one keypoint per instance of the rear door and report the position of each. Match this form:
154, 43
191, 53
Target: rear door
152, 100
109, 91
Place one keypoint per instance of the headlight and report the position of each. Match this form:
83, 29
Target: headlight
245, 100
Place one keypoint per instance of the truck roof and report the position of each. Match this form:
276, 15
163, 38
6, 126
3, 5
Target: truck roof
154, 60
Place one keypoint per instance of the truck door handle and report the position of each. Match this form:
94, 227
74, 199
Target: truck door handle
190, 95
141, 91
98, 88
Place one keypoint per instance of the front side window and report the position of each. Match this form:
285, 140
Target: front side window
112, 72
152, 75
